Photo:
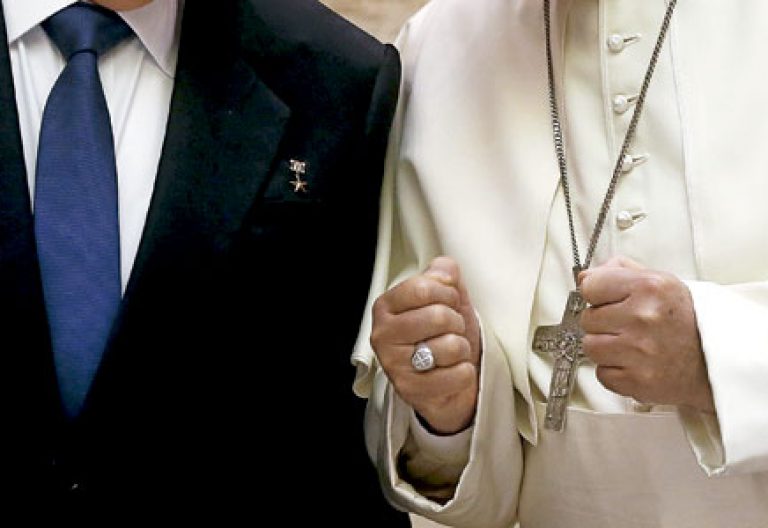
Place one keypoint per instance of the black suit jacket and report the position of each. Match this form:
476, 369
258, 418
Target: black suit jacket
225, 388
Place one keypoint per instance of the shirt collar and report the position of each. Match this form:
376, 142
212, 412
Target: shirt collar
154, 24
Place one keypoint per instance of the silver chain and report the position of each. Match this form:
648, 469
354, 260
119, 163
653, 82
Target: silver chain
557, 133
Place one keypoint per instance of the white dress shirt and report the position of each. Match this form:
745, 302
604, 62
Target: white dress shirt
137, 76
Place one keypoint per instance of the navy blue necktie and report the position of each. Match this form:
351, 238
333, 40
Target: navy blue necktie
76, 215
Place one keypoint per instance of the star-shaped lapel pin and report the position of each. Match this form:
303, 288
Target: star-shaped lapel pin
299, 168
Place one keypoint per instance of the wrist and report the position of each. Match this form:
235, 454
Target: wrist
446, 429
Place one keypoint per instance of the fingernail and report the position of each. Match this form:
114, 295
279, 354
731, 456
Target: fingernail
439, 275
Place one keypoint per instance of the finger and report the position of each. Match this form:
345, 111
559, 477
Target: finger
606, 285
605, 319
438, 383
417, 292
414, 326
620, 261
617, 261
605, 351
614, 379
449, 350
444, 270
447, 269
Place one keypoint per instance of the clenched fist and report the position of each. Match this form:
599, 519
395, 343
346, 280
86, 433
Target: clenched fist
431, 308
641, 332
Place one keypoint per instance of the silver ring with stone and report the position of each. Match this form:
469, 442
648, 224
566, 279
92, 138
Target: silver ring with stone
422, 360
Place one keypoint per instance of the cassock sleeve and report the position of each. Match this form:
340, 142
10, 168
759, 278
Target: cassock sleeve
474, 489
733, 324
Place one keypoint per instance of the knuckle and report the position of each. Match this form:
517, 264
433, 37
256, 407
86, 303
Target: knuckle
421, 290
466, 374
651, 284
465, 349
455, 344
632, 343
438, 316
646, 345
441, 317
379, 332
376, 339
589, 344
649, 316
380, 306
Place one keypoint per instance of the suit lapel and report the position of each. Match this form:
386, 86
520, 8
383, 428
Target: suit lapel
224, 130
16, 226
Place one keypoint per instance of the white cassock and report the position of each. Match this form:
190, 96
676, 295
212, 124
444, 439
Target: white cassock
472, 174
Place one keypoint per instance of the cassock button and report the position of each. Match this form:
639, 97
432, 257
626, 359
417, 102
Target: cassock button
630, 161
621, 102
627, 219
617, 42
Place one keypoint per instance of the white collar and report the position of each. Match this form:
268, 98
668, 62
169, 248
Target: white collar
155, 24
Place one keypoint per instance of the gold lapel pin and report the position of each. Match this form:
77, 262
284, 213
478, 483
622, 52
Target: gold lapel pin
299, 168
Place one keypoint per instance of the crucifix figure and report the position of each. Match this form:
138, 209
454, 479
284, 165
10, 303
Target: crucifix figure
563, 342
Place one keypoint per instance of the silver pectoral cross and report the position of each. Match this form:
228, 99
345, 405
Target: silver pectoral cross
563, 342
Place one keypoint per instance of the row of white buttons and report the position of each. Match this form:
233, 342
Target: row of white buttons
626, 219
621, 103
616, 43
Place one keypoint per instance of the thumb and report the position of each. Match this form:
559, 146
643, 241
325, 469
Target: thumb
445, 270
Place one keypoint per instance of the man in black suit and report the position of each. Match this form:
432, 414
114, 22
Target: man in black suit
225, 383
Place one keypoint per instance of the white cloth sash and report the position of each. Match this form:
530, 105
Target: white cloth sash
631, 471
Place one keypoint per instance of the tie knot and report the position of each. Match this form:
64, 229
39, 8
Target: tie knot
84, 27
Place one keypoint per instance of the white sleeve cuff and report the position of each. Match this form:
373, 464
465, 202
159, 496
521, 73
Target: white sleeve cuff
703, 433
734, 338
479, 492
449, 449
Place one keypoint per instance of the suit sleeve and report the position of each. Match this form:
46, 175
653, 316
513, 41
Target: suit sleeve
383, 104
